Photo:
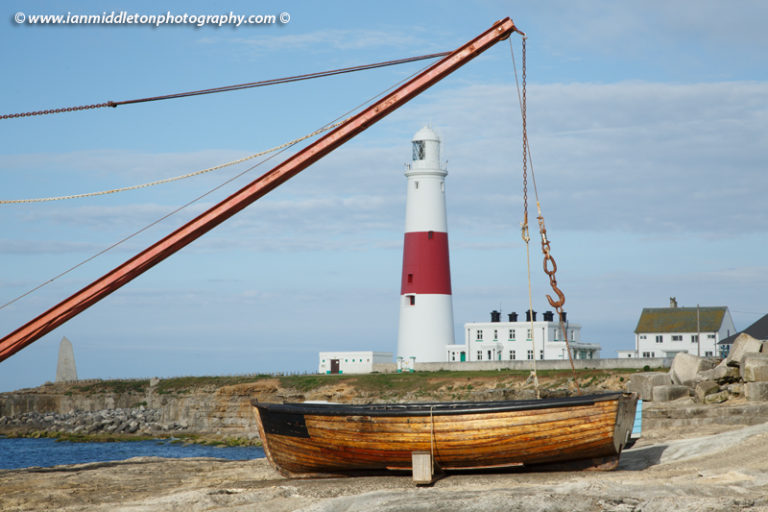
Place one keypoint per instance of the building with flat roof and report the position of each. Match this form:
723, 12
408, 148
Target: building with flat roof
521, 339
360, 361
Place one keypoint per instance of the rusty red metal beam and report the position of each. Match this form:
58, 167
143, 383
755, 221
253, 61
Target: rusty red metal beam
217, 214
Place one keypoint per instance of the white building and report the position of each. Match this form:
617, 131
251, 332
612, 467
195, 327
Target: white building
352, 362
664, 332
517, 340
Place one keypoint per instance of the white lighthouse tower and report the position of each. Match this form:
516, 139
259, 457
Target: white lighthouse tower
426, 308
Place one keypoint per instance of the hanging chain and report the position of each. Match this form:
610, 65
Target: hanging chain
550, 267
525, 233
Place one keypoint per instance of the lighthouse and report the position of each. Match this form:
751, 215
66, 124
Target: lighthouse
426, 308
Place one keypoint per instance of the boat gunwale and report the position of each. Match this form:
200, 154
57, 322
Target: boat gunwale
432, 408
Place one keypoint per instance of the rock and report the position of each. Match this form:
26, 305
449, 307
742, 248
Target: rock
686, 366
725, 374
756, 391
705, 388
643, 383
670, 392
737, 388
716, 398
705, 375
743, 344
755, 368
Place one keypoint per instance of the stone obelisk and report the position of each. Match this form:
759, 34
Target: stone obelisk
65, 369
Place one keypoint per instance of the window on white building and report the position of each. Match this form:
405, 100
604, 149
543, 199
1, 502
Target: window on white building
694, 338
659, 339
490, 358
711, 336
479, 355
708, 353
511, 334
541, 354
649, 354
512, 355
530, 354
528, 335
479, 335
642, 336
411, 300
495, 334
677, 337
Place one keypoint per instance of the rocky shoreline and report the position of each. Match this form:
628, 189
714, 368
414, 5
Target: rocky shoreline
106, 421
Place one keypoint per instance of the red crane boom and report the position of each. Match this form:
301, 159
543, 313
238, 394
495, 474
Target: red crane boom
217, 214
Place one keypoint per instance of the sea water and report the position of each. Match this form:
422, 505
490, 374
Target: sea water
18, 453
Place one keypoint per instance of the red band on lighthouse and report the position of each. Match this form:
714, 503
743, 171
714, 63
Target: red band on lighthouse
426, 266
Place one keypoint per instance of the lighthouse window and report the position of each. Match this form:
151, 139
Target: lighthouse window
411, 300
418, 150
410, 278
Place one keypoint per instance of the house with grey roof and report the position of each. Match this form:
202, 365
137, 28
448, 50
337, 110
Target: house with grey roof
665, 332
758, 330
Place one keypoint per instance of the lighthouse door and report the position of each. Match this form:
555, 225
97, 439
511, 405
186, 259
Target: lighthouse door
334, 366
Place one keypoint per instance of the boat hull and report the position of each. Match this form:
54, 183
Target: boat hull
318, 439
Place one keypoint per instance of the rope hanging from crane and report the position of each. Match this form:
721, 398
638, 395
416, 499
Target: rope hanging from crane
175, 178
550, 267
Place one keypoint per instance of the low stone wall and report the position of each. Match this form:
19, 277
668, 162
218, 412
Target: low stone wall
225, 412
579, 364
666, 415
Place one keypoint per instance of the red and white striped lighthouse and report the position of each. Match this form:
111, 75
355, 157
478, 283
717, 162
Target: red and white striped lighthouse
426, 308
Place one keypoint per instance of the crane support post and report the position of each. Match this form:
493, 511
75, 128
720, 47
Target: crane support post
146, 259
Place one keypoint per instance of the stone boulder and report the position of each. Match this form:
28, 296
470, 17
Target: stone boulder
755, 368
717, 398
685, 368
725, 374
756, 391
743, 344
670, 392
704, 388
643, 383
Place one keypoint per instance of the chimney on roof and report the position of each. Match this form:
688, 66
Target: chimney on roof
495, 316
672, 302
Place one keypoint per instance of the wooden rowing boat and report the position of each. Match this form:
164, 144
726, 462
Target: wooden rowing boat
316, 439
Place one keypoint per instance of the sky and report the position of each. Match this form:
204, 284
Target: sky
648, 124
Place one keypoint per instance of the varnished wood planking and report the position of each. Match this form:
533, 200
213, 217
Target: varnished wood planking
495, 438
